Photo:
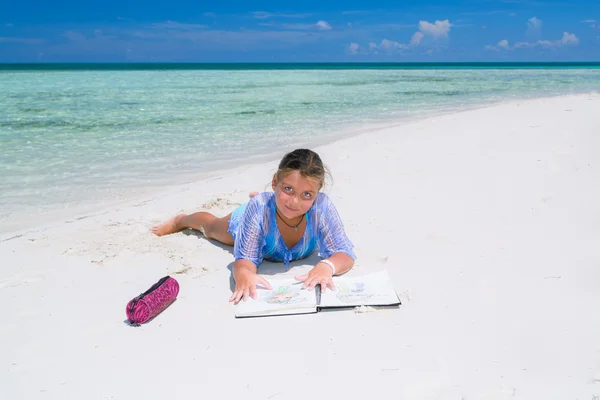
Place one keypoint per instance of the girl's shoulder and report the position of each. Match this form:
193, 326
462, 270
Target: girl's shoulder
261, 200
322, 201
324, 198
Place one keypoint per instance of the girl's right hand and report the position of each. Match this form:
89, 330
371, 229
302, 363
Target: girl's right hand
245, 286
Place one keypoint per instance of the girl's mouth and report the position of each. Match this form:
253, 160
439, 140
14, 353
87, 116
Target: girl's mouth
291, 209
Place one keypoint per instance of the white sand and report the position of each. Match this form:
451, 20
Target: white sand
488, 222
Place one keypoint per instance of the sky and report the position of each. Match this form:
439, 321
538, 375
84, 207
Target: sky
307, 31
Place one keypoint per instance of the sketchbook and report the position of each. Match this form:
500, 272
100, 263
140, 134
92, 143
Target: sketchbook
288, 297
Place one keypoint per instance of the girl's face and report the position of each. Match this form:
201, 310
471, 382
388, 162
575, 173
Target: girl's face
294, 194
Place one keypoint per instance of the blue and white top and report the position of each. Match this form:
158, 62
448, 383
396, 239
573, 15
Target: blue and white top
256, 235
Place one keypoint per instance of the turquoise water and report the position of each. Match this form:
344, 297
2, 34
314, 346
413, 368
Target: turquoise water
70, 137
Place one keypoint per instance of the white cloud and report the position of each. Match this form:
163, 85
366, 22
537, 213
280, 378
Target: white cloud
534, 23
439, 29
265, 15
416, 38
353, 48
158, 39
503, 44
386, 46
319, 25
323, 25
567, 39
390, 45
534, 27
152, 42
436, 30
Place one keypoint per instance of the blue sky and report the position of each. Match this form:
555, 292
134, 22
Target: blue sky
308, 31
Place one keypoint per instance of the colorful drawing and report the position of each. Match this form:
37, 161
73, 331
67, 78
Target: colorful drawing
283, 295
353, 293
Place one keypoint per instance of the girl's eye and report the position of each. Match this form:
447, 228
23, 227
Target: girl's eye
287, 189
307, 195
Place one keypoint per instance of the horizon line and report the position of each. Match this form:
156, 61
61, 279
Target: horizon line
281, 65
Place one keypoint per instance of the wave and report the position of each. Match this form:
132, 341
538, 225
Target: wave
251, 112
430, 92
40, 124
32, 110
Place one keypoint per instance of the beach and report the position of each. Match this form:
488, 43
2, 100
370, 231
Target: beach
487, 221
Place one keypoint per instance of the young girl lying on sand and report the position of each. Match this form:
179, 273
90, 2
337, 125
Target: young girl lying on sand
281, 226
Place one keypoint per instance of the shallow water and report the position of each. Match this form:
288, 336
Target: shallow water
77, 137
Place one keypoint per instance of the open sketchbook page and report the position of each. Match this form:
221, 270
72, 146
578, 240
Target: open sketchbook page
374, 289
287, 297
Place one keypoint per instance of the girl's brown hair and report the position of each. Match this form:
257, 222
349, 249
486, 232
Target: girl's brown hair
305, 161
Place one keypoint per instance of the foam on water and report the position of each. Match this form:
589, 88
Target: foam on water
69, 138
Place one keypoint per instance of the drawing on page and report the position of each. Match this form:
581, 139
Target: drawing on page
353, 292
283, 295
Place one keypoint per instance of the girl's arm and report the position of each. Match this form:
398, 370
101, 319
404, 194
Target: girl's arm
246, 279
322, 273
334, 246
248, 253
342, 262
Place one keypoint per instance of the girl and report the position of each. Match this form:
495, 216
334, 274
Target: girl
281, 226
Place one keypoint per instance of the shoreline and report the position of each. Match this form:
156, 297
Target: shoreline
88, 208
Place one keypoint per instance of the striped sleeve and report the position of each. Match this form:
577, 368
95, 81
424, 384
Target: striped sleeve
331, 235
250, 238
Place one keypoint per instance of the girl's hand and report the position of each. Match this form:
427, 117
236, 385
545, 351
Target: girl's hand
321, 274
245, 286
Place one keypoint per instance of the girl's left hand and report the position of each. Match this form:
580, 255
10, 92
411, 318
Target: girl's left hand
319, 275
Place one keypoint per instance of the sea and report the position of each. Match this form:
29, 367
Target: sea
75, 136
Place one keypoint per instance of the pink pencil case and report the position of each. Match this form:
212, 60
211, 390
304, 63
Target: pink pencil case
153, 301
